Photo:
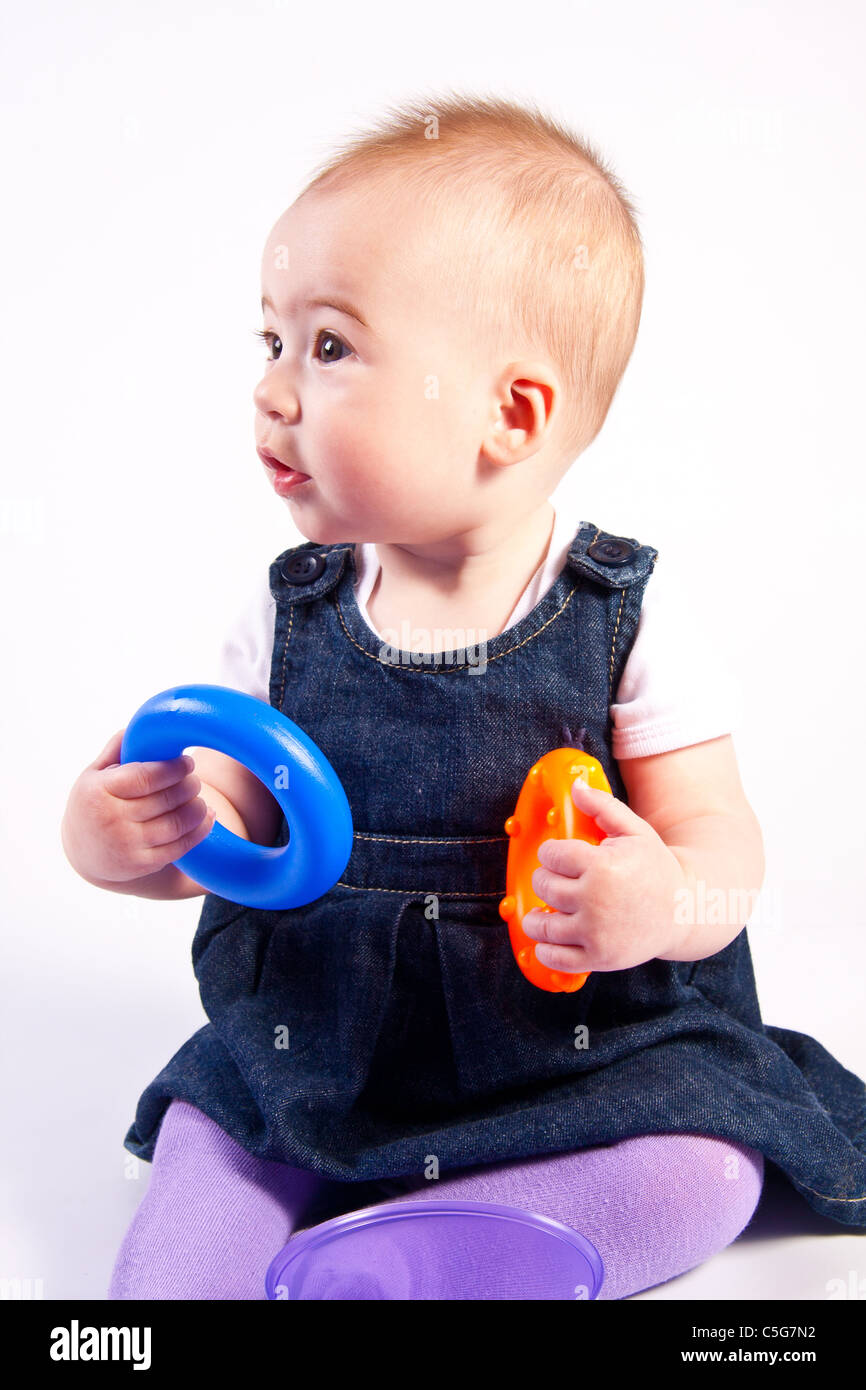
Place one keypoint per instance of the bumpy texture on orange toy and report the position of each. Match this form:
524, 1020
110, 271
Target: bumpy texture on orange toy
545, 810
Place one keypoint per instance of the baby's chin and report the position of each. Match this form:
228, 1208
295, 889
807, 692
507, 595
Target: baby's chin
321, 530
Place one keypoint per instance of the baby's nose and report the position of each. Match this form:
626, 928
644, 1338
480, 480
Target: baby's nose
276, 397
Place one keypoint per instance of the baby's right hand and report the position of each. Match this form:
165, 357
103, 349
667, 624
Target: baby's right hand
125, 821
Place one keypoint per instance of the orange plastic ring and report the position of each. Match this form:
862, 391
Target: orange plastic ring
545, 810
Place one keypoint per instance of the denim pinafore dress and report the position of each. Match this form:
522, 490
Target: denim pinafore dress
387, 1023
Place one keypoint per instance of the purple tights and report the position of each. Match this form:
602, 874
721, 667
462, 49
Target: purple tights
214, 1215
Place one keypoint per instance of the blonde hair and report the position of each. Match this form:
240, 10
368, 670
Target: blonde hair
549, 248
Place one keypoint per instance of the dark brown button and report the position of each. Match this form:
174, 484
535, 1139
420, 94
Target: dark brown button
612, 551
303, 568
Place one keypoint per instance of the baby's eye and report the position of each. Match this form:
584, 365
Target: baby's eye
272, 341
326, 336
331, 341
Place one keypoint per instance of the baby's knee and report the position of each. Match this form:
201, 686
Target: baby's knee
728, 1183
675, 1200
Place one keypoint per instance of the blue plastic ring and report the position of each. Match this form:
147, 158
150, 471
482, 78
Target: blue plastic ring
289, 765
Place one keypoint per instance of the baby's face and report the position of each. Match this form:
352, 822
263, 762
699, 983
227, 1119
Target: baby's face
385, 416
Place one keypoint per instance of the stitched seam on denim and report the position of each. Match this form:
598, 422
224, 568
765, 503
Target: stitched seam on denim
827, 1197
414, 892
615, 633
447, 669
286, 655
613, 648
433, 840
616, 629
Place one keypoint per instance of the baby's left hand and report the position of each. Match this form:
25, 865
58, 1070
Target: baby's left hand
614, 902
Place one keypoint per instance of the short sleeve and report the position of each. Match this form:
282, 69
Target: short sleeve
678, 686
244, 659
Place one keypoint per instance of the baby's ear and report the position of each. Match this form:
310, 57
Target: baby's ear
524, 407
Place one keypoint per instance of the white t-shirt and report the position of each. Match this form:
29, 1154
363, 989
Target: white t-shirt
676, 688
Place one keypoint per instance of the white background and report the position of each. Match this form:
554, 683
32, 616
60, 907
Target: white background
147, 151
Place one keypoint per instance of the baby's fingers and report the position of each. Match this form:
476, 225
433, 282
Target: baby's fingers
143, 779
177, 831
142, 808
572, 960
569, 857
554, 928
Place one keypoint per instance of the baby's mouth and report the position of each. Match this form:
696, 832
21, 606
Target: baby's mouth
283, 470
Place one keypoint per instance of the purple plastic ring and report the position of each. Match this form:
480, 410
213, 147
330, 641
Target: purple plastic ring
378, 1252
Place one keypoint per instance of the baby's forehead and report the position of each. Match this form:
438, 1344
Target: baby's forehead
367, 231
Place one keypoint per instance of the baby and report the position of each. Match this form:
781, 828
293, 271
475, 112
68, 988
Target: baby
449, 307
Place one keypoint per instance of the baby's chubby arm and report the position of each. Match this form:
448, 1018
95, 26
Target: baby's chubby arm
633, 897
